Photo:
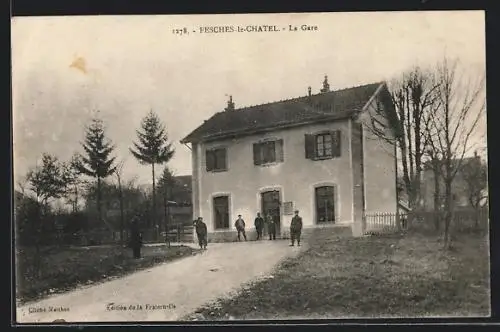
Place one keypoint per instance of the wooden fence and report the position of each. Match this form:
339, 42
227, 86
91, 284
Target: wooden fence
426, 221
385, 222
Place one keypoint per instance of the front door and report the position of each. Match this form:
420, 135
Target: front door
221, 212
271, 204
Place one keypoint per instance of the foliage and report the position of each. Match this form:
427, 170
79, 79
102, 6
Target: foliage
97, 162
152, 147
49, 180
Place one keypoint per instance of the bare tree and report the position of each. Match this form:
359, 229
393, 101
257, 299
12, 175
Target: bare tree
413, 95
118, 173
451, 126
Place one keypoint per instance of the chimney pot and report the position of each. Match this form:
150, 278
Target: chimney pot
326, 85
230, 104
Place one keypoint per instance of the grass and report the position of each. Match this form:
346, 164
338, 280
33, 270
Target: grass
64, 269
375, 276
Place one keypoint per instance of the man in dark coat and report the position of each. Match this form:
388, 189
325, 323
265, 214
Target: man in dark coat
201, 232
271, 227
240, 227
259, 225
296, 228
135, 237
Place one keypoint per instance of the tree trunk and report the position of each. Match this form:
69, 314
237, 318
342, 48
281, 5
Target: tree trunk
165, 212
448, 214
153, 215
437, 203
122, 216
99, 214
76, 198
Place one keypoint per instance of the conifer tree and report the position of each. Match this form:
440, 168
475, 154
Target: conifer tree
97, 161
152, 147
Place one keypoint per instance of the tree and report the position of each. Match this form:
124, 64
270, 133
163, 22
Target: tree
118, 173
152, 148
474, 173
73, 181
47, 181
451, 126
165, 186
414, 98
97, 163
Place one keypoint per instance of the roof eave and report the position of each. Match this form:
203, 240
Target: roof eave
252, 131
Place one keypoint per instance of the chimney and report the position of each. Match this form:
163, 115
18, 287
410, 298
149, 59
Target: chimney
230, 104
326, 86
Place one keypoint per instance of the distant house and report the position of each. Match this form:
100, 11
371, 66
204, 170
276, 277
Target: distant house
315, 153
458, 188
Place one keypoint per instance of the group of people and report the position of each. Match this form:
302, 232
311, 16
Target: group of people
259, 223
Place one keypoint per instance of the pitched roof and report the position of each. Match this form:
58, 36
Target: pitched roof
329, 106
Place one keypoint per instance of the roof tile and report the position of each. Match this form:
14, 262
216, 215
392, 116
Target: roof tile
330, 105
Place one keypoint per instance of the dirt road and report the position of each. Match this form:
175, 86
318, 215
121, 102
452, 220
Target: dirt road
166, 292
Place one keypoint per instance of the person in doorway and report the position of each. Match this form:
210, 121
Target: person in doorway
259, 225
271, 227
296, 228
135, 237
201, 232
240, 227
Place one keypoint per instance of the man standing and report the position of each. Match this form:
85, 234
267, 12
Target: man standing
271, 227
259, 225
296, 228
201, 232
135, 237
240, 227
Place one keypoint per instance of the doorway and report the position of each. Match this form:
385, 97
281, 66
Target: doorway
221, 212
271, 204
325, 204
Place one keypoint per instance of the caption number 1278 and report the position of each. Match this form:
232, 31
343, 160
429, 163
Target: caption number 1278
182, 31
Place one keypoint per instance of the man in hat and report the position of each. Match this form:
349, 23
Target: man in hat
271, 227
240, 227
135, 237
259, 225
296, 228
201, 232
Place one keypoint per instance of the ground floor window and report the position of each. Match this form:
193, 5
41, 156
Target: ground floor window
221, 212
325, 204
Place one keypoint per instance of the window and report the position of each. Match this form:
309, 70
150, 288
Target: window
268, 152
325, 204
216, 160
221, 212
323, 145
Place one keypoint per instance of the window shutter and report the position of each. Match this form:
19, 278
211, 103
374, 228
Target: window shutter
309, 146
256, 154
209, 160
336, 144
279, 151
223, 159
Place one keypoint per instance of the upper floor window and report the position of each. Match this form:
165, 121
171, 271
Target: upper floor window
323, 145
268, 152
216, 160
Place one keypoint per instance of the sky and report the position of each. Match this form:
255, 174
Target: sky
67, 68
